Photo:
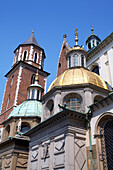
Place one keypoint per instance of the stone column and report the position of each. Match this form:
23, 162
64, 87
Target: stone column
88, 98
57, 101
39, 157
51, 151
3, 162
12, 128
29, 159
13, 162
69, 152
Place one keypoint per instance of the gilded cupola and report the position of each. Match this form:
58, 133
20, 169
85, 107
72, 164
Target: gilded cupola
77, 73
76, 56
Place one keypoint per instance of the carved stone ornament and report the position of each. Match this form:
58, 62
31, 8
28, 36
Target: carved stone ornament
59, 145
45, 150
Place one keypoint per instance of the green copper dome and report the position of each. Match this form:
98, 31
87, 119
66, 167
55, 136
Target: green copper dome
27, 108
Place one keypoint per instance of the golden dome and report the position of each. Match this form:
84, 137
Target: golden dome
78, 75
77, 47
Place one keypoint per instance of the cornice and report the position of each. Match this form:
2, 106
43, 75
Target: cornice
65, 114
102, 103
26, 64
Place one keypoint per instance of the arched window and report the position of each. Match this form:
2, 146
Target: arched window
33, 79
35, 58
33, 94
49, 107
24, 128
25, 55
98, 98
108, 134
73, 103
75, 60
82, 60
7, 132
69, 61
96, 70
104, 128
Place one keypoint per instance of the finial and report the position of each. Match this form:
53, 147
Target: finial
64, 35
76, 36
32, 30
92, 28
36, 76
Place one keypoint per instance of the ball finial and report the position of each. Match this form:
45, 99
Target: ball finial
64, 35
92, 29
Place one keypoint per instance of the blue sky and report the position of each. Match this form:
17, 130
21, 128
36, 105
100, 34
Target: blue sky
50, 19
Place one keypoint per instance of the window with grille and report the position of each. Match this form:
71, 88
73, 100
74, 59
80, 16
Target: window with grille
74, 103
108, 135
75, 60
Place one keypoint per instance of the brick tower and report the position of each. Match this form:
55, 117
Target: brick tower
62, 63
28, 57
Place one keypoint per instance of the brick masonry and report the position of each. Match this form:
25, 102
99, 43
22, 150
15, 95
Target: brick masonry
19, 78
62, 63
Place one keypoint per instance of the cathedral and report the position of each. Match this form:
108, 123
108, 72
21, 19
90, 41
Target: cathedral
69, 127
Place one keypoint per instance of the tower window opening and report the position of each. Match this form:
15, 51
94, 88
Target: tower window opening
37, 94
64, 46
33, 94
12, 80
29, 94
75, 60
82, 60
59, 64
35, 59
89, 45
25, 55
97, 43
8, 102
69, 61
33, 79
16, 58
73, 103
93, 43
96, 70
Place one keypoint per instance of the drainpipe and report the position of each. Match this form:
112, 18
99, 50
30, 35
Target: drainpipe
88, 118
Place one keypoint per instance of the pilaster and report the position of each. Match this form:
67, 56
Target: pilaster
69, 152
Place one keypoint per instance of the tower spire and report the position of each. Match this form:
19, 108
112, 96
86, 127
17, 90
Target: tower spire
76, 36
